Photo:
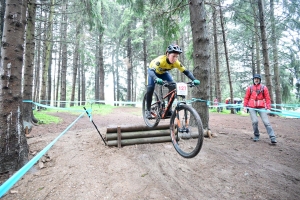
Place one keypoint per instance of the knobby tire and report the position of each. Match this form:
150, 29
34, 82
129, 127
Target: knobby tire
186, 134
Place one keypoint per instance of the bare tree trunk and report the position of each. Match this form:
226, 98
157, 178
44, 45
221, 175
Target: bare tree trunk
83, 84
75, 63
217, 76
101, 68
54, 78
13, 143
64, 64
79, 82
129, 70
256, 38
28, 66
145, 52
116, 72
275, 58
49, 75
58, 79
49, 48
182, 57
2, 11
36, 95
44, 65
201, 56
264, 40
226, 56
253, 55
97, 73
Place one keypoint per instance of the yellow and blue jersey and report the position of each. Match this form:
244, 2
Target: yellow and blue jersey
160, 65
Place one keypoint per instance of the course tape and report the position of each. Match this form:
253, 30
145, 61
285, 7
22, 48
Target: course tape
18, 175
52, 107
287, 113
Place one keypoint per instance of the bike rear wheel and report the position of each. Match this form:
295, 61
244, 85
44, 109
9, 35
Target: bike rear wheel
186, 131
155, 110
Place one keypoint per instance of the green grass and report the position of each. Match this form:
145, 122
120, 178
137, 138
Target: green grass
44, 115
45, 118
241, 113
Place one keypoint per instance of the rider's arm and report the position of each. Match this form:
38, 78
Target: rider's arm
189, 74
152, 74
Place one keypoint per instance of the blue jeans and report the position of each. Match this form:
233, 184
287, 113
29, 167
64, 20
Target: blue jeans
264, 118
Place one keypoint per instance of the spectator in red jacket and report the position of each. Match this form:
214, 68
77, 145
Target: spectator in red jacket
257, 100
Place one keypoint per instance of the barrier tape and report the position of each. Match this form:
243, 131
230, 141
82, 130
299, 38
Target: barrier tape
287, 113
19, 174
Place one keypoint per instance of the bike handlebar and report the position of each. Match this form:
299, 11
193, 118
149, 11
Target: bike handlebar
166, 84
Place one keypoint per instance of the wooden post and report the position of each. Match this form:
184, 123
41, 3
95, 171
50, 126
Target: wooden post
119, 136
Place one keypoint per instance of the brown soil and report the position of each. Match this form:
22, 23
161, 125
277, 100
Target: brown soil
229, 166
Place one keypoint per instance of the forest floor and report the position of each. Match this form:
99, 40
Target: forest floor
229, 166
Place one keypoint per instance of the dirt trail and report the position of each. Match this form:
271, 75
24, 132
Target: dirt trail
229, 166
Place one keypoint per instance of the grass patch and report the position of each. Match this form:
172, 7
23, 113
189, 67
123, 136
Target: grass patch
44, 115
45, 118
224, 111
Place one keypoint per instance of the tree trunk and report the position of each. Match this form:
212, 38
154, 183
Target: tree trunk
117, 71
46, 77
29, 59
128, 61
226, 56
217, 76
101, 68
201, 57
264, 40
114, 74
253, 55
2, 11
275, 57
58, 79
79, 82
256, 38
83, 84
13, 144
36, 94
75, 63
97, 73
145, 52
64, 64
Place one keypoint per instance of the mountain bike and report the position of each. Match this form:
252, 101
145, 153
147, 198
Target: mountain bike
186, 127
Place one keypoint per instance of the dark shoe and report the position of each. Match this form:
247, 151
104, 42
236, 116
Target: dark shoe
170, 113
273, 140
256, 138
148, 114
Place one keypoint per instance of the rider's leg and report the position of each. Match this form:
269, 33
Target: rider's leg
150, 90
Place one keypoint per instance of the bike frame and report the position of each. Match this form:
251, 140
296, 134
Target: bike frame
172, 94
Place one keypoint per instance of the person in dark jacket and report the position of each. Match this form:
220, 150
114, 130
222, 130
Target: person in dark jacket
257, 100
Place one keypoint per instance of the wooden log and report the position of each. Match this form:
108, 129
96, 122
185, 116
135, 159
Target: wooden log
136, 128
140, 141
138, 134
119, 136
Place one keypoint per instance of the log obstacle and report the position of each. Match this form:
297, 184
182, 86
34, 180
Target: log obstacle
130, 135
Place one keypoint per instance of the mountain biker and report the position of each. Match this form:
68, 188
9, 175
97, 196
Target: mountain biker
158, 72
257, 98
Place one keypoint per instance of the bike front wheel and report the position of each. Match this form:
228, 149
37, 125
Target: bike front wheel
155, 110
186, 131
